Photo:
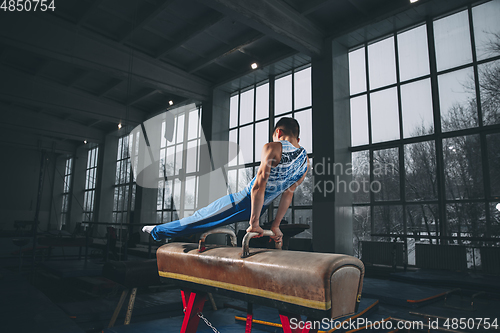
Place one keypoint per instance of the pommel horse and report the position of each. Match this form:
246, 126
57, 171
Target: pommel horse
317, 285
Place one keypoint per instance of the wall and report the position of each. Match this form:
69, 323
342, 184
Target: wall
20, 169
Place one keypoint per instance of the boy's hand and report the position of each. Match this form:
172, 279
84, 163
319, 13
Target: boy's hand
256, 228
278, 235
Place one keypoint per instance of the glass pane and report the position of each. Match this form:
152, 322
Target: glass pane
386, 174
486, 29
233, 111
416, 103
246, 145
305, 122
493, 144
246, 107
304, 192
119, 154
495, 219
385, 116
463, 167
191, 155
233, 137
421, 222
177, 195
261, 137
262, 102
388, 220
167, 195
413, 53
361, 176
420, 171
452, 41
361, 227
193, 125
382, 63
359, 121
489, 83
304, 216
231, 178
466, 219
244, 177
283, 94
357, 71
180, 128
302, 89
457, 98
190, 193
169, 166
179, 152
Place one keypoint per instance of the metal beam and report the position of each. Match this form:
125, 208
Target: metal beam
242, 41
190, 33
16, 117
19, 87
146, 18
276, 19
64, 42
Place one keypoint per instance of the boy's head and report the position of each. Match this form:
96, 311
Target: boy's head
289, 127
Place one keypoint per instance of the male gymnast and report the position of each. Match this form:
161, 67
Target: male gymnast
283, 167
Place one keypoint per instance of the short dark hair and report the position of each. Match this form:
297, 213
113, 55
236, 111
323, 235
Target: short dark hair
289, 126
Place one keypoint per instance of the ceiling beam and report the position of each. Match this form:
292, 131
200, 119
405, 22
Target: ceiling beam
16, 117
112, 85
141, 97
86, 14
78, 77
145, 17
63, 41
26, 140
19, 87
276, 19
190, 33
240, 42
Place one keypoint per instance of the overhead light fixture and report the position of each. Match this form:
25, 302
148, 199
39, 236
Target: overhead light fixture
120, 126
412, 1
498, 207
85, 141
254, 65
170, 102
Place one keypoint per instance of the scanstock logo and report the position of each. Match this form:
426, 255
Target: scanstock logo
150, 165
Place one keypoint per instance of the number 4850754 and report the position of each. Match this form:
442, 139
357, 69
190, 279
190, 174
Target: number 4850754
27, 5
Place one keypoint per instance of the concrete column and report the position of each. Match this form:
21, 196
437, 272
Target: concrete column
78, 188
332, 218
215, 124
106, 175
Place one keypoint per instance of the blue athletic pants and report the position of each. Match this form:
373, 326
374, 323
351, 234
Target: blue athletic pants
226, 210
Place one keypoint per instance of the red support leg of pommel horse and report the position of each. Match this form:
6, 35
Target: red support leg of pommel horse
193, 304
298, 326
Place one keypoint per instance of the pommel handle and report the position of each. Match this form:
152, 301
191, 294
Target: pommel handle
201, 244
250, 235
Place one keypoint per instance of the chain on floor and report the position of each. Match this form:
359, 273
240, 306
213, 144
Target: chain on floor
209, 324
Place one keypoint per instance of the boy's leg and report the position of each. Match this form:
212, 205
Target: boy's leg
223, 211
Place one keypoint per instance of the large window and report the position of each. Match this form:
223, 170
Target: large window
66, 193
252, 118
125, 187
90, 184
425, 111
179, 167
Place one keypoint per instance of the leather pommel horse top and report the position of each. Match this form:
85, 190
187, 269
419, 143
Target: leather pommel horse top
309, 283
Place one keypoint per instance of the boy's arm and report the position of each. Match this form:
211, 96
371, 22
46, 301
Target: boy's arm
285, 201
270, 155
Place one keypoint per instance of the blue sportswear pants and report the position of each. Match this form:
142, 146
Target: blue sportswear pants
229, 209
